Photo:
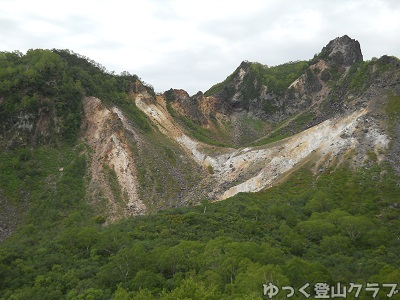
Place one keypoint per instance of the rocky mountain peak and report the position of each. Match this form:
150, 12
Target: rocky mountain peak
343, 50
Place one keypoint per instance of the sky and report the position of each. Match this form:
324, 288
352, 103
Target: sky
193, 45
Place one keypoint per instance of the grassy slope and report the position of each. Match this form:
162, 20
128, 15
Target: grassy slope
166, 175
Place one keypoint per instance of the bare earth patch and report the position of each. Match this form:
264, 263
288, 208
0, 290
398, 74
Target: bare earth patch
104, 132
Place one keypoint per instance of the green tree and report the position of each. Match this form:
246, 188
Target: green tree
251, 277
320, 202
300, 271
355, 226
191, 289
336, 244
147, 279
315, 230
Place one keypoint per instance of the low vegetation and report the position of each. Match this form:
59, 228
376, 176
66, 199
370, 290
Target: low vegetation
393, 109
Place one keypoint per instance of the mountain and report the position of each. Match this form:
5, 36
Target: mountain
320, 111
272, 94
242, 135
306, 155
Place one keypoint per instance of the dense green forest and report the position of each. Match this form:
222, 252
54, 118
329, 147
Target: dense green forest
340, 225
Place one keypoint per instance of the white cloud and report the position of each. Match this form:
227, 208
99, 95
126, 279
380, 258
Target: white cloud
195, 44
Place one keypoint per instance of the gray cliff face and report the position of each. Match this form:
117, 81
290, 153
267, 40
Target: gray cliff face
343, 51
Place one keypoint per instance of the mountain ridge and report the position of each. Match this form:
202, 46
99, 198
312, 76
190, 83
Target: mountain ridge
242, 135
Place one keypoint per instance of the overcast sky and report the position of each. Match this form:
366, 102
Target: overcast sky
195, 44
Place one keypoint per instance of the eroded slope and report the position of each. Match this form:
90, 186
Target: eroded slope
110, 158
255, 168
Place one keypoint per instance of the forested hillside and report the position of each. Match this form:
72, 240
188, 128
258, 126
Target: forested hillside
43, 162
56, 81
342, 227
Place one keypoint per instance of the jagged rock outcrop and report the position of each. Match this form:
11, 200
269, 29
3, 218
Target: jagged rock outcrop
186, 105
342, 51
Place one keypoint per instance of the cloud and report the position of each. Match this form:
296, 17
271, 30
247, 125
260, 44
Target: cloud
195, 44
